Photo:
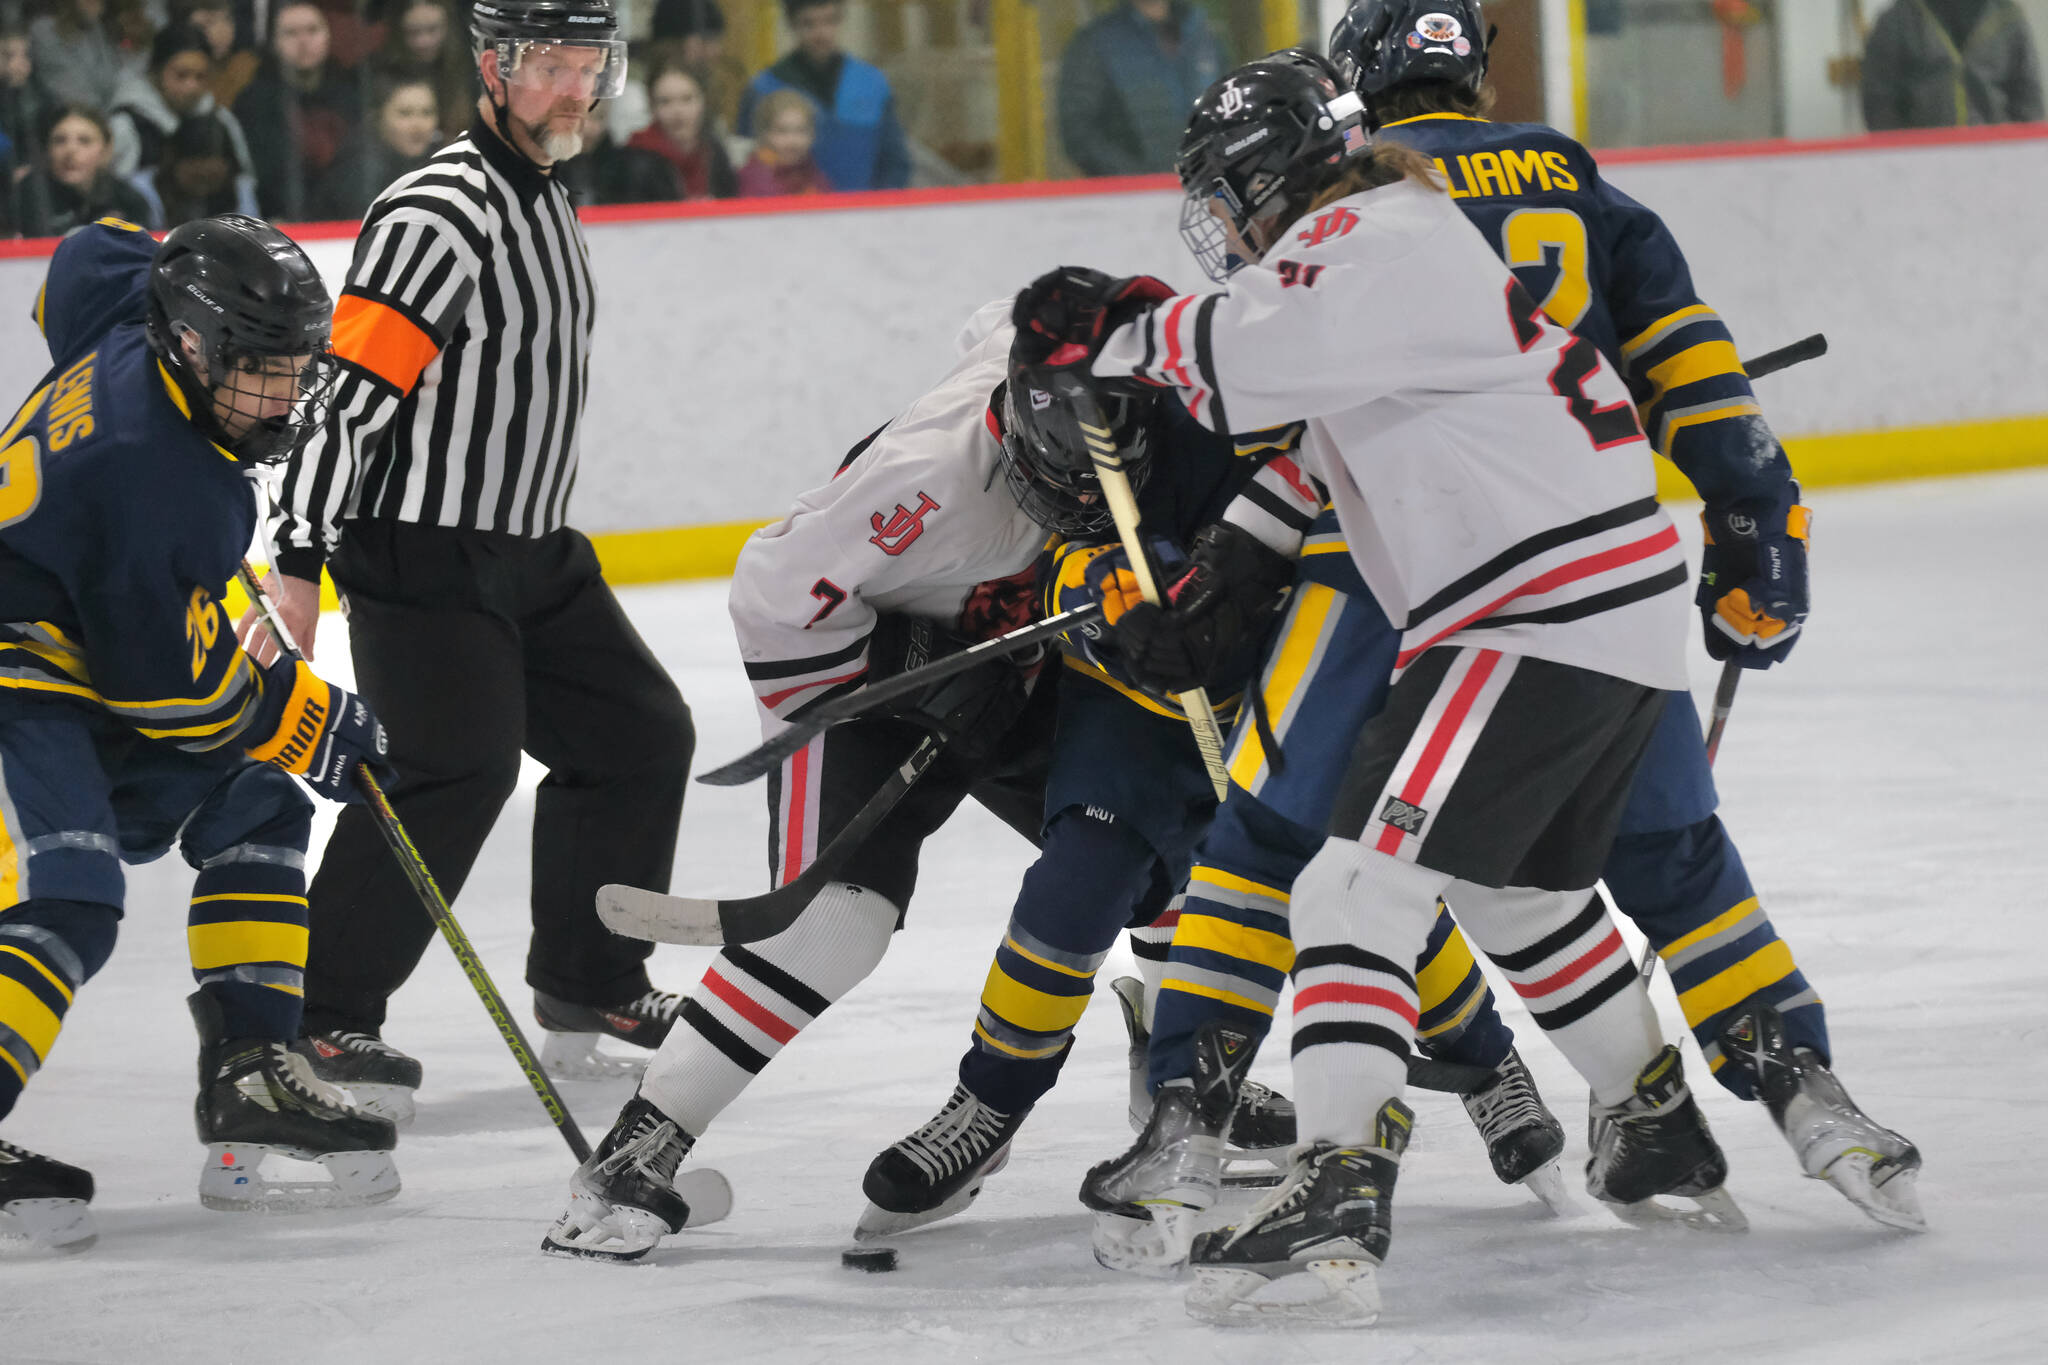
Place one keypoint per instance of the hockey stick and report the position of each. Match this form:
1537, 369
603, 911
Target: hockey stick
761, 761
1770, 362
1123, 506
705, 923
416, 872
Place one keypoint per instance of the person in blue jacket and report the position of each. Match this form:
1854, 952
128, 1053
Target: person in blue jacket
860, 145
130, 717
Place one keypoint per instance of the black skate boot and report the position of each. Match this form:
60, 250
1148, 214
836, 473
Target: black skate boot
571, 1050
1261, 1132
44, 1204
628, 1196
938, 1170
1333, 1217
1523, 1138
378, 1077
278, 1138
1146, 1201
1657, 1142
1874, 1167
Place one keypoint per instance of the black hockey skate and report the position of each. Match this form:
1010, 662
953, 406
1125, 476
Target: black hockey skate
1657, 1142
628, 1196
1261, 1133
1333, 1217
1146, 1201
278, 1138
1523, 1138
938, 1170
1874, 1167
378, 1077
44, 1204
571, 1050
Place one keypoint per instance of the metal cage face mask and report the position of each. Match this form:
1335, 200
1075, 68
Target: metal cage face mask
270, 439
561, 69
1207, 235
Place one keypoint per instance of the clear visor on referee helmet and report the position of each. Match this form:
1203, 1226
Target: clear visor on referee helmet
590, 69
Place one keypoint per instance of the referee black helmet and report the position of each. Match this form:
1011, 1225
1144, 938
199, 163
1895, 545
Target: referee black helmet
242, 323
515, 29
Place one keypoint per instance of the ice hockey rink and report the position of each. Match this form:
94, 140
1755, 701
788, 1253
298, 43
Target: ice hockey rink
1889, 790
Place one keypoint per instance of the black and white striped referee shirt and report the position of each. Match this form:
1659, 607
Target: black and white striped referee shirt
464, 334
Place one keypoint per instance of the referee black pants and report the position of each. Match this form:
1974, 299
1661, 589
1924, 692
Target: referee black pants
473, 646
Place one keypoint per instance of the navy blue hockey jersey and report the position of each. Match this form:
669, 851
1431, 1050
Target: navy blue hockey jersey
1606, 267
120, 523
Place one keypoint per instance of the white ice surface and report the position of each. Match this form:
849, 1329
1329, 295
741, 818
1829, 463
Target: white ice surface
1887, 790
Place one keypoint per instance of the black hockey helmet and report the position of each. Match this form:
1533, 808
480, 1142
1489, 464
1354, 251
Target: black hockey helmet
523, 32
1259, 146
1046, 460
246, 298
1382, 45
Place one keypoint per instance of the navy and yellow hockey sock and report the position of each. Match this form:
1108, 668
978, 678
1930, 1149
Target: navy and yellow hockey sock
48, 949
1689, 893
1074, 901
247, 936
1460, 1020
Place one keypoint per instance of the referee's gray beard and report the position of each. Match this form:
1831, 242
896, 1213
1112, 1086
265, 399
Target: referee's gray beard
561, 146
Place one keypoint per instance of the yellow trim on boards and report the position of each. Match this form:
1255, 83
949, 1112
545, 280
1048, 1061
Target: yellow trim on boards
1906, 453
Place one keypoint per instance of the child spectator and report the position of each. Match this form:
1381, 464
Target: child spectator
198, 174
423, 46
298, 113
404, 130
782, 162
179, 86
234, 66
74, 185
859, 144
76, 61
682, 135
607, 173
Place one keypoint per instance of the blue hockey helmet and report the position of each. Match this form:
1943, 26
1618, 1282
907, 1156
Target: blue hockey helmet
1382, 45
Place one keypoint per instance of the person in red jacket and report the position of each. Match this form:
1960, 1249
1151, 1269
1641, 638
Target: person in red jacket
684, 135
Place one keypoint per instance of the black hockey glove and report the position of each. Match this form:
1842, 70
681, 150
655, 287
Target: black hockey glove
1065, 315
971, 711
1233, 587
1753, 594
321, 732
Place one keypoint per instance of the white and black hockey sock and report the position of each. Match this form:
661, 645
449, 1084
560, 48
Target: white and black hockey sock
1149, 946
757, 997
1354, 1006
1565, 957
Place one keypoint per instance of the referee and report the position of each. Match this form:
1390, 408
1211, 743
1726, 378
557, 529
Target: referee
479, 621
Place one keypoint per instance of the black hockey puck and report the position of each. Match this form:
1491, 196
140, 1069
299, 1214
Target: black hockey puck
874, 1260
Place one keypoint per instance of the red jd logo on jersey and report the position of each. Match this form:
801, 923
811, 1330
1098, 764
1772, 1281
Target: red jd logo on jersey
1328, 226
900, 531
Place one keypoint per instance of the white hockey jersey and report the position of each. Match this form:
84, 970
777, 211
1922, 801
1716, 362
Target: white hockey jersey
1486, 464
919, 521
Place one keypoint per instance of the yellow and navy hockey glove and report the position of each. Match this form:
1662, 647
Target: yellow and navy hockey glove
1753, 590
320, 732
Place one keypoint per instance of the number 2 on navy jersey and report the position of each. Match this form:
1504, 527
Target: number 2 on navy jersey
1609, 426
1528, 236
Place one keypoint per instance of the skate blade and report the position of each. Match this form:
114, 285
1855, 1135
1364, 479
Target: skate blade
394, 1102
876, 1221
592, 1229
1546, 1182
253, 1178
1714, 1211
1255, 1169
1230, 1296
44, 1227
577, 1057
1155, 1247
1893, 1202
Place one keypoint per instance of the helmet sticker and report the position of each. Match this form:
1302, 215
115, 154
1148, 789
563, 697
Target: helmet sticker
1438, 28
1040, 400
1251, 139
1231, 101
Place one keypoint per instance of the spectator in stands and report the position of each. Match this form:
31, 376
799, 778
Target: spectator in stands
859, 145
403, 131
21, 104
692, 32
75, 184
1947, 63
607, 173
1126, 82
234, 66
682, 135
782, 162
199, 173
424, 45
76, 59
298, 113
178, 86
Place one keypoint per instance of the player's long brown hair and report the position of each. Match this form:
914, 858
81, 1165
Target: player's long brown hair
1388, 163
